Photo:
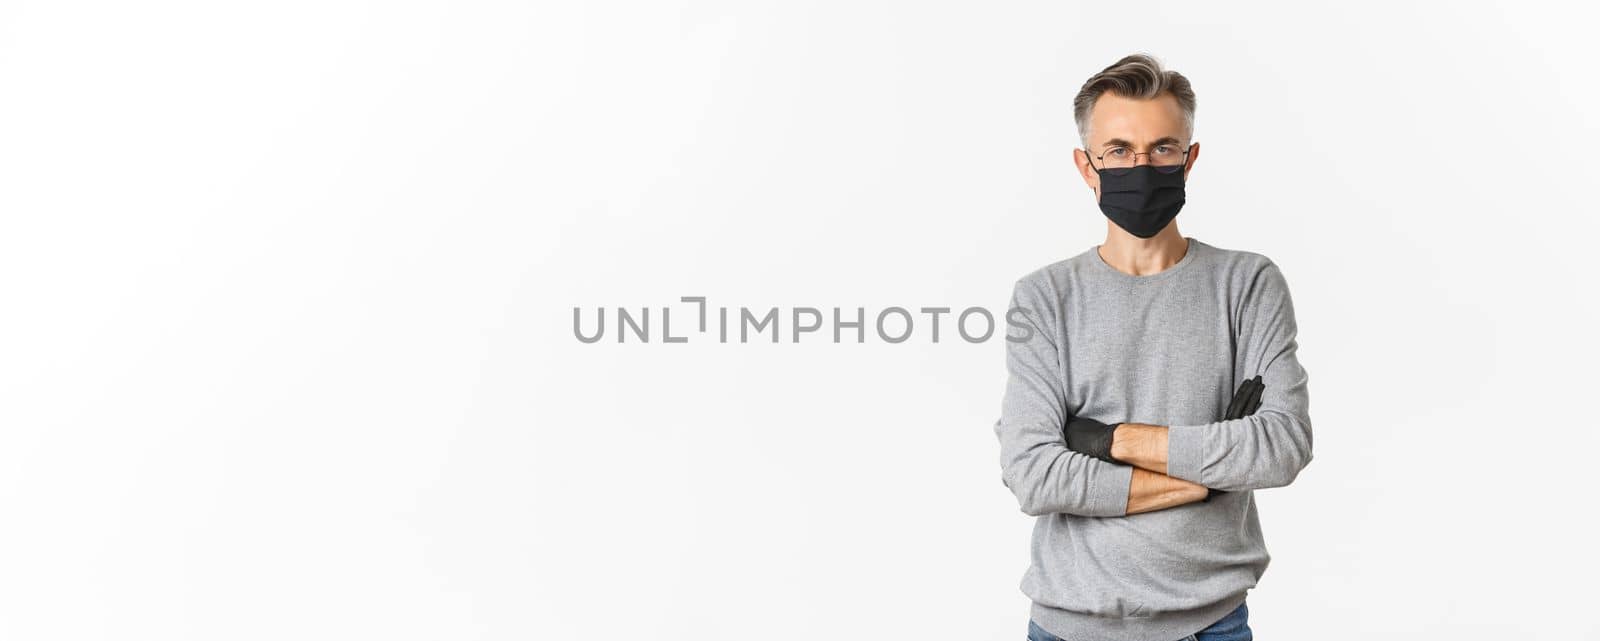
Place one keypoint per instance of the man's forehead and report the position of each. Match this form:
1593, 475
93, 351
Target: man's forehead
1135, 120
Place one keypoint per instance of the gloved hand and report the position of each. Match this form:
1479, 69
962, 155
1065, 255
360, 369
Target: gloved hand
1245, 402
1089, 436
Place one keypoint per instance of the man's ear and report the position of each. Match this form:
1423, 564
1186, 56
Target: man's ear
1086, 171
1194, 153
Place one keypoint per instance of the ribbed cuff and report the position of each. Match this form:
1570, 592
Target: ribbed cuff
1109, 494
1186, 452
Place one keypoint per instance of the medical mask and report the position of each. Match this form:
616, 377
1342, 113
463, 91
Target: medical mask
1141, 199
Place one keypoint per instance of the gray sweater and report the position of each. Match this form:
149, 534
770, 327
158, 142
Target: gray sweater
1170, 349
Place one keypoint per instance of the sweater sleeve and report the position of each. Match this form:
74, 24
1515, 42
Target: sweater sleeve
1035, 463
1271, 446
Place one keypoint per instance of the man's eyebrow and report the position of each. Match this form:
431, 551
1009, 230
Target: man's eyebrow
1118, 142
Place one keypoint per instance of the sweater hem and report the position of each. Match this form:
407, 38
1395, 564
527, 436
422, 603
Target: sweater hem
1162, 626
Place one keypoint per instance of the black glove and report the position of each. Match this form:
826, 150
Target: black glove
1245, 402
1089, 436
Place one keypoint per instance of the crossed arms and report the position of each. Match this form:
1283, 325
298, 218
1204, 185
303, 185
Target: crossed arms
1154, 466
1145, 447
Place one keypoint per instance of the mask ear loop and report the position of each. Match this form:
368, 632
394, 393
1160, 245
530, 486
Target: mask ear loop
1090, 159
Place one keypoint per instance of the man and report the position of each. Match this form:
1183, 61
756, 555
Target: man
1146, 525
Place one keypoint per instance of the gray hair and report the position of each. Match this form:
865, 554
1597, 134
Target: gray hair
1138, 76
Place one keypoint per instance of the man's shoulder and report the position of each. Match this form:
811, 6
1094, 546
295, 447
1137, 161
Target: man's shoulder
1240, 263
1231, 255
1053, 274
1250, 275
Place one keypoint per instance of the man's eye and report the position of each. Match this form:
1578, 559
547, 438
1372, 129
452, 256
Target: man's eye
1165, 149
1117, 152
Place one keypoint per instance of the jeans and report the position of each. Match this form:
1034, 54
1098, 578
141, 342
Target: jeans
1233, 627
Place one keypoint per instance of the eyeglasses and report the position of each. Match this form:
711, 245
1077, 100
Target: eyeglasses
1163, 158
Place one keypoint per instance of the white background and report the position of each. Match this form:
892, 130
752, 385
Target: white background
287, 299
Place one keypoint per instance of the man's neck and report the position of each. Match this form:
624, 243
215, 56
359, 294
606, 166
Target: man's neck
1137, 256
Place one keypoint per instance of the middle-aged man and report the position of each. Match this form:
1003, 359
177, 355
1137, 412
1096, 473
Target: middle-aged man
1121, 429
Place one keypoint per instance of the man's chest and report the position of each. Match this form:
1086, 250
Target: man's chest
1148, 355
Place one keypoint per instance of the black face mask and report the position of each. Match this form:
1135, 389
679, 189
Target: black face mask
1141, 199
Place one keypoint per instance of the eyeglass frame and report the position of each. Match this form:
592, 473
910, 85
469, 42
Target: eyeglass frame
1136, 155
